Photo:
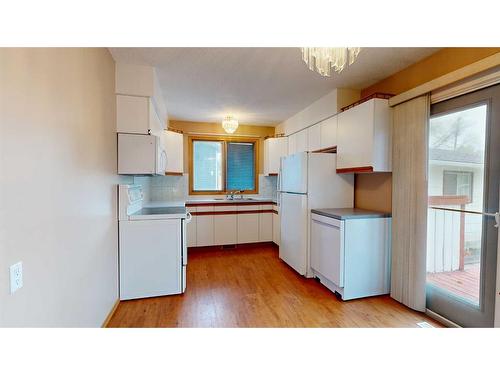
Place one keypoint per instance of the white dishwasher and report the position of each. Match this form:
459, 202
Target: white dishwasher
351, 251
152, 247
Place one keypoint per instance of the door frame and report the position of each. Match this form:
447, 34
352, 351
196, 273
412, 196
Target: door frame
461, 312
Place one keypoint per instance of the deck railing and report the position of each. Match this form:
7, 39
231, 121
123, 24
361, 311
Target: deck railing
446, 233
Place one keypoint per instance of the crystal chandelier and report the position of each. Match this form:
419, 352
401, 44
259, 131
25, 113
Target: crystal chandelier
230, 124
322, 60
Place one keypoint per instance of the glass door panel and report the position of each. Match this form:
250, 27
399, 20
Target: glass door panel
462, 186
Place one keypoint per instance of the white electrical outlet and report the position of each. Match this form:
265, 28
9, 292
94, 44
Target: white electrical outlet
16, 277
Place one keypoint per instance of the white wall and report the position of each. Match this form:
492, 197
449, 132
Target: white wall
58, 193
322, 108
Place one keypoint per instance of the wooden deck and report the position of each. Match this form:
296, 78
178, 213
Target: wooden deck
462, 283
252, 287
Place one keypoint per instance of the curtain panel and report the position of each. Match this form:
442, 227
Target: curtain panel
409, 201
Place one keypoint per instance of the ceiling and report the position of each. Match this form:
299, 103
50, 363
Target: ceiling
256, 85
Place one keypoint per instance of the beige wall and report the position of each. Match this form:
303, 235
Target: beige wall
374, 191
58, 193
210, 128
444, 61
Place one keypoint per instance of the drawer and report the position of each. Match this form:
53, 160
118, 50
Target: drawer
225, 208
248, 207
326, 219
266, 207
205, 209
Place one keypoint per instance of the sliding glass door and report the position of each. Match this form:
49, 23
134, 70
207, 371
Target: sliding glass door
463, 170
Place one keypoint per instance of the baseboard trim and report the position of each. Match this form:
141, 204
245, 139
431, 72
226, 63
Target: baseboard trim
110, 314
441, 319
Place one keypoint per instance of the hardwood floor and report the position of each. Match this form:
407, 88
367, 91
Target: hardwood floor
252, 287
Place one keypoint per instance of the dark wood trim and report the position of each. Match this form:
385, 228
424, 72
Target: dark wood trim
279, 135
243, 203
332, 150
355, 170
207, 213
377, 95
174, 174
224, 140
272, 174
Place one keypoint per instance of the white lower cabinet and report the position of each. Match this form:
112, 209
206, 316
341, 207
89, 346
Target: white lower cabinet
191, 228
352, 257
205, 230
276, 228
248, 227
266, 226
228, 225
327, 248
225, 229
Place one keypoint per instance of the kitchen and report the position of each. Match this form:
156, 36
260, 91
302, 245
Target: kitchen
306, 210
172, 165
301, 190
295, 181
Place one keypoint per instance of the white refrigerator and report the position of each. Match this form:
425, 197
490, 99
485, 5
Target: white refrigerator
308, 181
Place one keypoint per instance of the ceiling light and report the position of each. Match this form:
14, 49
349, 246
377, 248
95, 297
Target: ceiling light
230, 124
323, 60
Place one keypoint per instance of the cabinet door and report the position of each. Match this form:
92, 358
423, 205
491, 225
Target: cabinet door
248, 227
355, 137
174, 145
301, 141
328, 130
292, 144
136, 154
191, 228
276, 229
327, 249
265, 226
225, 229
155, 124
205, 230
314, 138
132, 114
278, 147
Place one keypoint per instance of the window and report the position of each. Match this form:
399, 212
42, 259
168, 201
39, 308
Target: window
457, 183
221, 165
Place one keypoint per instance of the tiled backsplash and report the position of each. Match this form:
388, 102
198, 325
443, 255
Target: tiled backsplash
176, 188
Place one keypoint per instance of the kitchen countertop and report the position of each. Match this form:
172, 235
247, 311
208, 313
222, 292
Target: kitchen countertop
214, 201
151, 213
349, 213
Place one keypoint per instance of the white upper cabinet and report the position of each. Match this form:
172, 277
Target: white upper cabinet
292, 144
301, 145
140, 80
137, 115
314, 137
274, 149
297, 142
328, 133
174, 147
364, 138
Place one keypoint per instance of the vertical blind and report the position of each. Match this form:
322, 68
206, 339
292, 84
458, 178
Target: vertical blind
207, 166
240, 166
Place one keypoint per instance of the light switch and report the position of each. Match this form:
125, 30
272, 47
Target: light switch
16, 277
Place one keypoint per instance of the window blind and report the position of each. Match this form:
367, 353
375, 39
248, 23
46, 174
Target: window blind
240, 166
207, 166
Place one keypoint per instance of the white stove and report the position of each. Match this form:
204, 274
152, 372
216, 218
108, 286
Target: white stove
153, 246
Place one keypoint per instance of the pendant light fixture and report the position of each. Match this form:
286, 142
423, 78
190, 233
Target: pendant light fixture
230, 124
324, 60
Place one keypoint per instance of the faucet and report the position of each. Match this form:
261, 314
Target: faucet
231, 194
